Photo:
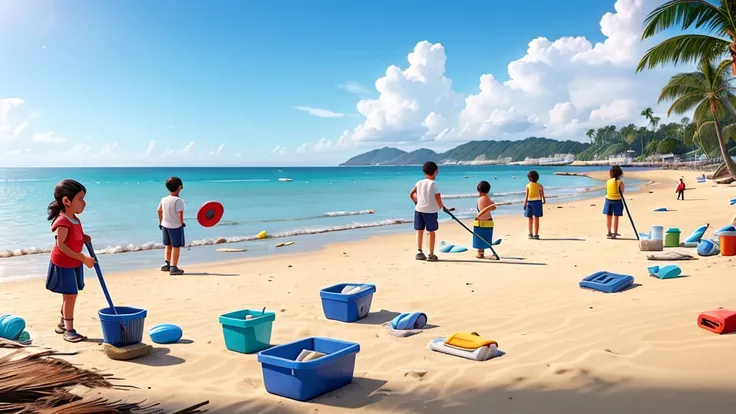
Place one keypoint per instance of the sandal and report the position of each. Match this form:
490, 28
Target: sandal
175, 271
536, 237
531, 236
432, 258
72, 336
421, 256
480, 256
60, 329
166, 267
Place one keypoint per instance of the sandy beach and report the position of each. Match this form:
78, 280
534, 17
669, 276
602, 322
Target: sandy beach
568, 350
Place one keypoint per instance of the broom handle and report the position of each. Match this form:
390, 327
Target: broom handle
99, 276
628, 213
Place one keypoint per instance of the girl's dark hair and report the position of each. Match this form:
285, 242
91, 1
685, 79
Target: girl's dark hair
484, 187
533, 176
65, 188
616, 172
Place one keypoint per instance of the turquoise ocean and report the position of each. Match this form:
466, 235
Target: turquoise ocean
311, 206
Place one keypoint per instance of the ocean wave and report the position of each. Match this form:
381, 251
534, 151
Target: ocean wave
251, 180
221, 240
347, 213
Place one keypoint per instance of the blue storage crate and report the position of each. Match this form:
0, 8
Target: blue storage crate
123, 329
347, 308
247, 336
302, 381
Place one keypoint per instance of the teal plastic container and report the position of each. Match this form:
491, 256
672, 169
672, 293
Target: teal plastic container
247, 336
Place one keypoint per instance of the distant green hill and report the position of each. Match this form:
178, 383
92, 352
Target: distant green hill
417, 157
485, 150
375, 157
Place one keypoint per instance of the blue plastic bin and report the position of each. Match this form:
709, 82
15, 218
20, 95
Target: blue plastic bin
247, 336
347, 308
123, 329
302, 381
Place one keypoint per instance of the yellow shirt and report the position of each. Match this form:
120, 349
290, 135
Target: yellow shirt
534, 193
612, 189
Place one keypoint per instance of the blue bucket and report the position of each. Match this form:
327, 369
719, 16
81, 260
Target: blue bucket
123, 329
302, 381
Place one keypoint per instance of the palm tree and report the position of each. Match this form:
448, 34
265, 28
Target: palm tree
717, 20
649, 115
709, 92
590, 134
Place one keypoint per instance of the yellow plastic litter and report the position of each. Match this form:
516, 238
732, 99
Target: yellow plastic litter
261, 235
468, 340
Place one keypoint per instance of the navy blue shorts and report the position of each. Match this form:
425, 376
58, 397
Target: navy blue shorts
426, 221
173, 237
65, 280
613, 208
533, 209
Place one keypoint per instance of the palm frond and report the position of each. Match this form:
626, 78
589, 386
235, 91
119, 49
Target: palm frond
683, 84
39, 384
688, 48
702, 112
686, 14
729, 133
685, 103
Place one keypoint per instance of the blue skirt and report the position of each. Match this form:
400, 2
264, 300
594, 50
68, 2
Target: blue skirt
64, 280
613, 208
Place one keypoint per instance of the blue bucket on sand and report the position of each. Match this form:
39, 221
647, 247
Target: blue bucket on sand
302, 381
347, 307
123, 329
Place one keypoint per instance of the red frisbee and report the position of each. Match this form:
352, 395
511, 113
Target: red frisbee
210, 213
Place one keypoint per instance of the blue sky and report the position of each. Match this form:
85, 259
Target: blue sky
119, 74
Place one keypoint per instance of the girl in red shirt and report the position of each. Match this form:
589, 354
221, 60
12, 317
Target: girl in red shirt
66, 274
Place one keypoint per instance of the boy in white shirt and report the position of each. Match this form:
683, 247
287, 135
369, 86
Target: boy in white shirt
428, 202
171, 224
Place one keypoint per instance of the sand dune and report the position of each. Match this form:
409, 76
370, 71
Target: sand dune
568, 350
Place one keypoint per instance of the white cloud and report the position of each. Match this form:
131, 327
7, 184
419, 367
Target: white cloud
356, 88
48, 137
187, 150
559, 88
109, 149
217, 150
319, 112
7, 105
149, 149
278, 150
617, 111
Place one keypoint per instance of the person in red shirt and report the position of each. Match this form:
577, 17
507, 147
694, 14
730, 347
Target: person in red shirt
680, 190
66, 274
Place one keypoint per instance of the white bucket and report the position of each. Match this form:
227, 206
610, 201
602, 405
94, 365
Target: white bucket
657, 233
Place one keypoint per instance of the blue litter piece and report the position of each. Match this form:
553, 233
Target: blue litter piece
497, 242
409, 320
661, 209
165, 333
607, 282
665, 272
458, 249
708, 248
446, 248
347, 307
302, 381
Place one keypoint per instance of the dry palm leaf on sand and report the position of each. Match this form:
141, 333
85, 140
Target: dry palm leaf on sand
39, 384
